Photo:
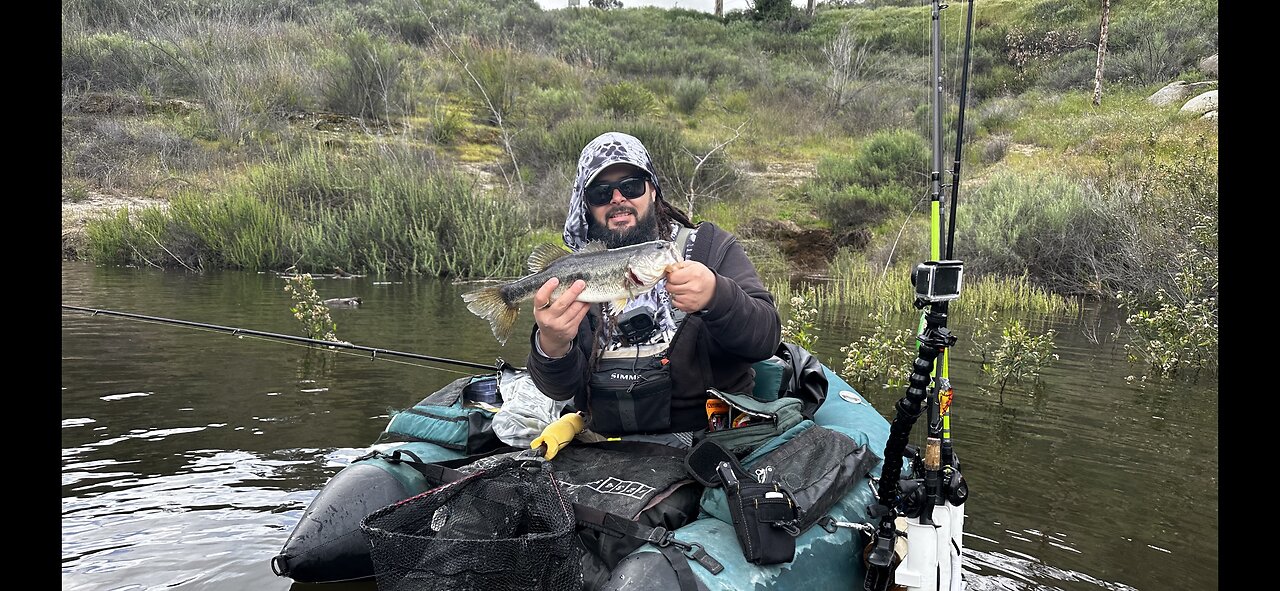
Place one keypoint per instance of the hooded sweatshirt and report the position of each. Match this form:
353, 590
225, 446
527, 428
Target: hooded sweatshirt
714, 347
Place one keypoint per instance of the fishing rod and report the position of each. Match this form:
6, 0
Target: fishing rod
934, 502
951, 469
239, 331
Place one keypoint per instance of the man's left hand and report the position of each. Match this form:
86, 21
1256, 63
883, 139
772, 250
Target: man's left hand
691, 285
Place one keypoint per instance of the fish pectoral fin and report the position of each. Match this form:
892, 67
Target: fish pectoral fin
545, 254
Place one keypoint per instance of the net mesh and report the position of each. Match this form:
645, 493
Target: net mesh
506, 527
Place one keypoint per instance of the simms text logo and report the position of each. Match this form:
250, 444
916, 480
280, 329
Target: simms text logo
624, 376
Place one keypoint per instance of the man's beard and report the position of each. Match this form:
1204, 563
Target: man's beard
646, 228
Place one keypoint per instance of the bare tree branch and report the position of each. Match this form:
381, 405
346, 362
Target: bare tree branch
849, 65
691, 195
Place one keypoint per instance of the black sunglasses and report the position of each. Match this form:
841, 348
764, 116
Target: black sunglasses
602, 193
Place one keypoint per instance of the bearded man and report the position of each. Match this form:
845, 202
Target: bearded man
640, 371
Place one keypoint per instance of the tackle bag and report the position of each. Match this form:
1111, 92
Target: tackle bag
642, 482
763, 514
753, 422
813, 466
458, 416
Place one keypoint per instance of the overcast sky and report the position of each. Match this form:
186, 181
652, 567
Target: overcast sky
703, 5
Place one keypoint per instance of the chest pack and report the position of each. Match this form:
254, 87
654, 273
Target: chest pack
633, 394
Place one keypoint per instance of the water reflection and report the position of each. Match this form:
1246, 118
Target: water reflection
188, 455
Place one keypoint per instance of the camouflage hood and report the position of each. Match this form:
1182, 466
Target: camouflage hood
604, 151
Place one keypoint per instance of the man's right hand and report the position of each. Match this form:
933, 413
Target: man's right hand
558, 320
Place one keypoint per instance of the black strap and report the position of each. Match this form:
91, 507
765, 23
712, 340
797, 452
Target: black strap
702, 461
680, 564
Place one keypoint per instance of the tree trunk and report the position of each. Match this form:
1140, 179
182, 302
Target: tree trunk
719, 8
809, 11
1102, 54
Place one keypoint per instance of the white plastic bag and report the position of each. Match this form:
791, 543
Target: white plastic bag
525, 411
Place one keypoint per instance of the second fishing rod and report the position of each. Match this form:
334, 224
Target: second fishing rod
933, 559
373, 351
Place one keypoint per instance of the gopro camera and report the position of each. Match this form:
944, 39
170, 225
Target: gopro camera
637, 325
938, 281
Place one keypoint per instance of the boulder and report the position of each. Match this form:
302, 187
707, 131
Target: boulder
1177, 92
1209, 66
1202, 104
1211, 115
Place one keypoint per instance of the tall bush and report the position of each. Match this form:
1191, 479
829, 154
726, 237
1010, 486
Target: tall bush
885, 176
366, 78
627, 99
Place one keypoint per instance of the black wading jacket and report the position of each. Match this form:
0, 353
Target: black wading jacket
715, 347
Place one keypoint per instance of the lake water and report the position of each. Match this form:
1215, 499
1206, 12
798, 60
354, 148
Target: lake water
188, 455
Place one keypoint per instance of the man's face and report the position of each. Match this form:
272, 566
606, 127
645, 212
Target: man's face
622, 221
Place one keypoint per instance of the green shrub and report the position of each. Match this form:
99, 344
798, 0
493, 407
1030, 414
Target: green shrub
447, 124
309, 309
549, 106
997, 114
497, 82
887, 158
881, 358
1170, 337
1044, 223
689, 93
109, 61
993, 149
627, 99
1173, 314
1015, 354
1073, 71
366, 78
587, 39
126, 239
1153, 49
737, 102
854, 207
393, 210
230, 231
1001, 80
800, 327
669, 149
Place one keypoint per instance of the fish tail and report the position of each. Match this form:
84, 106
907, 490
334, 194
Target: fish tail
489, 304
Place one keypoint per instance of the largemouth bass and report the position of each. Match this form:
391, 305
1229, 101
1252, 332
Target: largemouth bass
611, 275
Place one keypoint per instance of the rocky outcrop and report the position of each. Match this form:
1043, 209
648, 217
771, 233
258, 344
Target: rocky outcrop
1202, 104
104, 102
1179, 91
1209, 66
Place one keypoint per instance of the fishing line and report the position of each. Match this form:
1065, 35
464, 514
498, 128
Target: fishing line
372, 357
291, 344
375, 353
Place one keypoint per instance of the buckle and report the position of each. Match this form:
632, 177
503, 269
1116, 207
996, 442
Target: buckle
695, 552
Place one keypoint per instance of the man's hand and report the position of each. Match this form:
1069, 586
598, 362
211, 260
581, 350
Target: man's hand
558, 320
691, 285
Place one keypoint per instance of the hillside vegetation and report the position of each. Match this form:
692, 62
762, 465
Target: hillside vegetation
440, 136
